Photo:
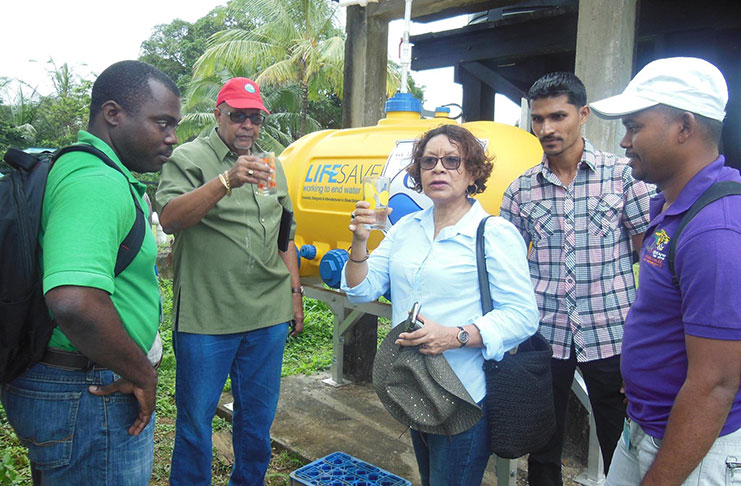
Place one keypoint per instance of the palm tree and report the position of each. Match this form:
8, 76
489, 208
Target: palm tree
296, 43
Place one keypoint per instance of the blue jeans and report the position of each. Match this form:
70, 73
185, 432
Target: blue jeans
457, 460
253, 360
636, 451
74, 437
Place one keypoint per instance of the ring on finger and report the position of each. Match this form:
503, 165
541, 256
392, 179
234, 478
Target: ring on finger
352, 215
250, 172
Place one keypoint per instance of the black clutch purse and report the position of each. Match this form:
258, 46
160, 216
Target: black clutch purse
286, 218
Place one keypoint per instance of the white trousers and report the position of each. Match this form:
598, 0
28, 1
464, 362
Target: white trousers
636, 451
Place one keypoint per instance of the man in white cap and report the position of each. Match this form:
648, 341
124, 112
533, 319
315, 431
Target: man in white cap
234, 291
682, 342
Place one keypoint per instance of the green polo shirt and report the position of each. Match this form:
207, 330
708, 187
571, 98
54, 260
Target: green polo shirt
88, 210
229, 276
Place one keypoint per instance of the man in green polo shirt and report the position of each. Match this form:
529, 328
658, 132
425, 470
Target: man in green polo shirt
234, 291
85, 412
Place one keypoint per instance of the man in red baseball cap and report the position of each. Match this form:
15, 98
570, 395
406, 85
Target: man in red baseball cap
242, 93
236, 292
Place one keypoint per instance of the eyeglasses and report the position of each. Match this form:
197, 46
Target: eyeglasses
240, 117
450, 162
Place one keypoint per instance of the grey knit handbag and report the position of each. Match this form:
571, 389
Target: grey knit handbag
519, 388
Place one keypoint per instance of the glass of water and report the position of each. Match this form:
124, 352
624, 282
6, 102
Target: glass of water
270, 186
376, 193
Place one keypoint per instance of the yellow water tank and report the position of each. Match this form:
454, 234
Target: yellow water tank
325, 170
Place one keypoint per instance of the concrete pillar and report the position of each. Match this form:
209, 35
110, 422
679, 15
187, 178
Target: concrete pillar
604, 60
366, 56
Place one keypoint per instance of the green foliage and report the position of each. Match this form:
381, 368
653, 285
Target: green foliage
175, 47
310, 351
166, 387
61, 115
45, 121
327, 111
295, 43
14, 468
10, 136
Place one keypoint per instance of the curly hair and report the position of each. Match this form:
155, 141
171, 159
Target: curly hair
475, 159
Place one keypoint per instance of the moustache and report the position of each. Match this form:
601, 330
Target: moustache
549, 139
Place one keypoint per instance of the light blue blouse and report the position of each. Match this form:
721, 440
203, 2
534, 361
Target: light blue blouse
440, 274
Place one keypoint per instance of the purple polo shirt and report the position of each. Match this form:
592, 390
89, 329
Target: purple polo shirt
707, 304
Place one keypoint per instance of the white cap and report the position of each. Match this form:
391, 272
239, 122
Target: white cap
686, 83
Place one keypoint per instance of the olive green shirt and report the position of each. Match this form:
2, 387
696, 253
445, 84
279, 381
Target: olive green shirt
229, 276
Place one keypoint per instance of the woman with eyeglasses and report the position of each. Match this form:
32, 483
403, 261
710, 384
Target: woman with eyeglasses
429, 257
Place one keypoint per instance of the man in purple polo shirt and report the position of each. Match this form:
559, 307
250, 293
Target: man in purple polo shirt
682, 344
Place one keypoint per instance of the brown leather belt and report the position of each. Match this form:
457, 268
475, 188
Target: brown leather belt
67, 360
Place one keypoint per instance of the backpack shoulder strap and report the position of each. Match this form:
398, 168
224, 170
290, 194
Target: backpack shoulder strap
717, 191
131, 244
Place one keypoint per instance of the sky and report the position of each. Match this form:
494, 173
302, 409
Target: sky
89, 35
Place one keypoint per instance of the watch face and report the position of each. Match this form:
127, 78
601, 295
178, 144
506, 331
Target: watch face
463, 336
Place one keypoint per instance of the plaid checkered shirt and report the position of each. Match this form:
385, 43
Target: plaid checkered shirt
580, 255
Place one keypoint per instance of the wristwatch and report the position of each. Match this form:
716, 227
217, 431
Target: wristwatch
463, 336
298, 290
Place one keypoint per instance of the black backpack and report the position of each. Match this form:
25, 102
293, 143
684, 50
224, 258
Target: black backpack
25, 324
713, 193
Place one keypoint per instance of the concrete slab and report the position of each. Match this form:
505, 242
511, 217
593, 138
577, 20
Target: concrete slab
315, 419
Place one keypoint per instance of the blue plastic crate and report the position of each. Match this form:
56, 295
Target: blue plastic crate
340, 469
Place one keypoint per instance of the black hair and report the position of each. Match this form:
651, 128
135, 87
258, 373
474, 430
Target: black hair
475, 159
712, 128
558, 84
127, 83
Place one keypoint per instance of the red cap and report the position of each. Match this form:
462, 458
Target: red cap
241, 93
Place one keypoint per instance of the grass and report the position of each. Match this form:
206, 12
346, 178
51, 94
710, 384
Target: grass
14, 468
309, 353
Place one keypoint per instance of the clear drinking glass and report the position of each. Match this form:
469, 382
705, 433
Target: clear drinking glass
270, 186
376, 192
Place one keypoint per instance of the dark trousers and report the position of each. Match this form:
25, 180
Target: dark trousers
603, 381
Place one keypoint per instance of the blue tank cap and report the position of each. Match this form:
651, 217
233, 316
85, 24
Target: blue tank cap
330, 267
442, 109
308, 252
403, 102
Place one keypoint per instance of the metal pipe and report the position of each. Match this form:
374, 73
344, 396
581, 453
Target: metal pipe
406, 48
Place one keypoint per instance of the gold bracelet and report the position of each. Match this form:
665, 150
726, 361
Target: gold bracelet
228, 183
224, 178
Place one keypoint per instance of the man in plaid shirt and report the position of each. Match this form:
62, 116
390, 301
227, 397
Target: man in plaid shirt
579, 209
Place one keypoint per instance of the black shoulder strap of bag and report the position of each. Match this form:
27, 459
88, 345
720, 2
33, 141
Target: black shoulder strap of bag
131, 244
482, 273
481, 267
713, 193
